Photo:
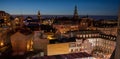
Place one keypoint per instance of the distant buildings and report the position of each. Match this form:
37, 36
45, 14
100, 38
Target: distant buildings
54, 36
4, 19
4, 15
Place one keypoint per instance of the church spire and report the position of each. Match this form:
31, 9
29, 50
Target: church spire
75, 13
39, 17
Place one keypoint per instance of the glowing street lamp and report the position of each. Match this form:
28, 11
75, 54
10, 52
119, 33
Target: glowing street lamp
1, 43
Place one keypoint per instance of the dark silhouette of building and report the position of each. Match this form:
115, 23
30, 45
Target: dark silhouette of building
76, 16
39, 17
4, 15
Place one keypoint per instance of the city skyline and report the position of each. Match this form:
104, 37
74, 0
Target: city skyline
58, 7
59, 29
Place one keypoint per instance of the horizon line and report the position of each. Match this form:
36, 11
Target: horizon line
63, 15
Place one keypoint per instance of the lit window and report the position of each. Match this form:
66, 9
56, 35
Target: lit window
30, 45
78, 45
80, 35
83, 36
72, 45
86, 35
1, 44
89, 35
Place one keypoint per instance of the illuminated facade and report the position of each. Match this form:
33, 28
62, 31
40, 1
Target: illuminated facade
40, 43
1, 40
63, 28
17, 22
96, 40
81, 46
4, 15
21, 43
88, 38
4, 20
56, 49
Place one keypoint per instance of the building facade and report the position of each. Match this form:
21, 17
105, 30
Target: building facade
117, 55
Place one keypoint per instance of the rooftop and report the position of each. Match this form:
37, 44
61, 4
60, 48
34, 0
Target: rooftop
66, 56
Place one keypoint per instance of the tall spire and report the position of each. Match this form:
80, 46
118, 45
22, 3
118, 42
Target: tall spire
75, 13
117, 55
39, 16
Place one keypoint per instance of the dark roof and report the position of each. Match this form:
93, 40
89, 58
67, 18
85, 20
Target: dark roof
24, 31
33, 25
84, 31
66, 20
2, 11
34, 20
108, 37
1, 21
66, 56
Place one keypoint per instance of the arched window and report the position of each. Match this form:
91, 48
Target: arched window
30, 45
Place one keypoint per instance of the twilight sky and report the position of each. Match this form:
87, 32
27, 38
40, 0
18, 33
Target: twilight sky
61, 7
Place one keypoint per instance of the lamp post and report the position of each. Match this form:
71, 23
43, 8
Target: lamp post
1, 43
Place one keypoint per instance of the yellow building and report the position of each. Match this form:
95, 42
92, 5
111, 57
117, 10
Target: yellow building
56, 49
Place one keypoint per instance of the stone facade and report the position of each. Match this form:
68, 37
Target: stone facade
20, 43
117, 54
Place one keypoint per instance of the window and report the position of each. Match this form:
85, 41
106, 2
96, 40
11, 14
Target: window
83, 36
72, 50
76, 50
78, 45
77, 35
80, 35
80, 49
89, 35
72, 45
86, 35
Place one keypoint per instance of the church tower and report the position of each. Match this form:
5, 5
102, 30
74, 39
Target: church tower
39, 16
117, 54
75, 13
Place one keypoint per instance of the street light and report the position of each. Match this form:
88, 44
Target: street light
1, 43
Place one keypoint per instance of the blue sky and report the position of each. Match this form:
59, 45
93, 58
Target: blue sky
61, 7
